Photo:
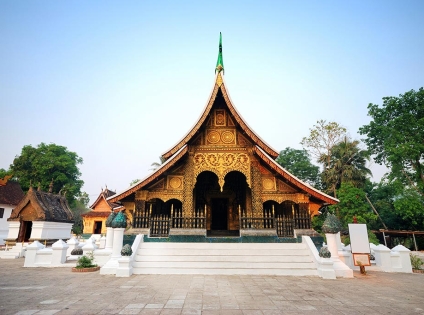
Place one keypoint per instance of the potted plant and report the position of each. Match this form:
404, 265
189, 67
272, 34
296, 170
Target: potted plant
416, 263
85, 264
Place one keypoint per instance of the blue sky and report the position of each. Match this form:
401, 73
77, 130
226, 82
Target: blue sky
120, 82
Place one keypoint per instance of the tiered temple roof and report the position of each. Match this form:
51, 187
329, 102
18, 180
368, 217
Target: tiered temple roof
261, 149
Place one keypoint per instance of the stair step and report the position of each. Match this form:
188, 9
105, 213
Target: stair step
226, 271
213, 258
224, 258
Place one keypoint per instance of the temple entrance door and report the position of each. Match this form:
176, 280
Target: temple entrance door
97, 227
219, 213
25, 231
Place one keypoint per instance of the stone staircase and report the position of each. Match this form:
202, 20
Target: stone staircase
286, 259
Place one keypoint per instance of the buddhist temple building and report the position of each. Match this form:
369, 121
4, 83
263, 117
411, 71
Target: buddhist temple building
221, 178
95, 221
41, 216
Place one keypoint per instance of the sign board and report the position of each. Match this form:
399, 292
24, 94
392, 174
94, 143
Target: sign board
359, 244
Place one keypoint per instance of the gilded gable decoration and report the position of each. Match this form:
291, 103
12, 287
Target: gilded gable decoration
220, 117
221, 164
159, 185
221, 136
175, 182
268, 183
279, 198
283, 187
141, 195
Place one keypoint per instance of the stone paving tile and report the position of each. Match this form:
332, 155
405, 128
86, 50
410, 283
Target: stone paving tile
31, 291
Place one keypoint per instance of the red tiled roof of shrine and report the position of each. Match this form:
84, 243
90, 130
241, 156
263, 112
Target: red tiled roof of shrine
10, 192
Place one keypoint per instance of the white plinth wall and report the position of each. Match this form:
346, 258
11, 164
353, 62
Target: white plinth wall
112, 265
50, 230
340, 268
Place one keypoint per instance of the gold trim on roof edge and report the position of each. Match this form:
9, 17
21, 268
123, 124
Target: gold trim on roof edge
149, 179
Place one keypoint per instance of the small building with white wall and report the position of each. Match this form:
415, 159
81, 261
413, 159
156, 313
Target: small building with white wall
10, 195
41, 216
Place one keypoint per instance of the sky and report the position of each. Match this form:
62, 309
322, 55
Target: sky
121, 82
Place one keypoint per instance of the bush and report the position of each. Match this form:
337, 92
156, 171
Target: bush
416, 262
324, 252
86, 261
76, 251
126, 250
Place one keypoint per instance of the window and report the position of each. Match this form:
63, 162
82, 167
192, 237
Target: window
1, 212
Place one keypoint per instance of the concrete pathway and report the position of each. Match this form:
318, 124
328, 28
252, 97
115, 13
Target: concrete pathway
60, 291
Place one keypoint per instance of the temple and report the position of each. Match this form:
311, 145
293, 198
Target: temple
221, 179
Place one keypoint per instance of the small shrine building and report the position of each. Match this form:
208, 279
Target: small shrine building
221, 178
95, 221
41, 216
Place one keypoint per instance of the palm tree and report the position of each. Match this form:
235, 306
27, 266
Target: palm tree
347, 164
156, 165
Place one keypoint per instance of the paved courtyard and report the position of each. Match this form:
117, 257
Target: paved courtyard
60, 291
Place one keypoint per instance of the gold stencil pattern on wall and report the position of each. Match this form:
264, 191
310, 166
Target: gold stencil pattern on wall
221, 164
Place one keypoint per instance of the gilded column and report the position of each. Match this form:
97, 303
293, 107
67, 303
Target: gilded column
256, 185
189, 181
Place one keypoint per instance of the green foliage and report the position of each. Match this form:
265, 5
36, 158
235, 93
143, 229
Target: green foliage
416, 261
395, 136
156, 165
410, 207
298, 163
331, 224
4, 172
324, 252
76, 229
79, 207
134, 181
322, 137
352, 204
126, 250
317, 222
346, 164
45, 162
85, 261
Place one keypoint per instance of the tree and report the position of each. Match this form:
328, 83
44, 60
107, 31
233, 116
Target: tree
347, 164
156, 165
44, 163
298, 163
395, 136
134, 181
323, 136
4, 172
352, 204
80, 207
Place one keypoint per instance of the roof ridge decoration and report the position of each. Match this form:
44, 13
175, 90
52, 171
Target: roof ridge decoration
219, 84
220, 62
